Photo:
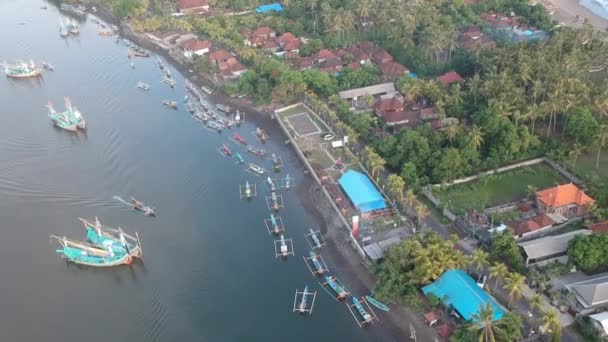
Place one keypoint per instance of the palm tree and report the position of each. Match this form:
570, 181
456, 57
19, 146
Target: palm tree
600, 141
576, 151
396, 185
536, 302
410, 197
479, 260
421, 212
476, 137
551, 324
484, 323
499, 272
514, 283
474, 86
452, 132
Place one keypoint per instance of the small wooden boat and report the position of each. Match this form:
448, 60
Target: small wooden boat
170, 104
261, 135
275, 225
239, 139
62, 120
226, 150
143, 86
276, 163
306, 301
138, 52
258, 152
215, 126
206, 90
105, 32
225, 122
373, 301
168, 81
223, 108
339, 292
364, 316
239, 158
317, 262
161, 65
256, 169
48, 66
139, 205
200, 116
83, 253
283, 247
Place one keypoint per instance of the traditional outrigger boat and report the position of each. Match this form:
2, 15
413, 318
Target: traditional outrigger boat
161, 65
316, 264
72, 27
239, 139
256, 169
247, 191
261, 135
363, 316
283, 247
138, 52
257, 151
74, 115
276, 163
302, 305
239, 158
170, 104
339, 291
274, 225
143, 86
69, 120
63, 31
139, 205
225, 122
200, 116
63, 122
373, 301
206, 90
77, 10
315, 239
87, 254
223, 108
287, 182
105, 32
114, 238
225, 150
215, 126
22, 70
47, 66
169, 81
274, 201
271, 184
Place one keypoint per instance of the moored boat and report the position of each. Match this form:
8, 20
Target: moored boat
47, 66
239, 138
215, 126
143, 86
114, 238
257, 151
22, 70
168, 81
200, 116
318, 268
139, 205
138, 52
239, 158
61, 120
105, 32
170, 104
366, 316
261, 134
207, 90
223, 108
335, 285
226, 150
256, 169
373, 301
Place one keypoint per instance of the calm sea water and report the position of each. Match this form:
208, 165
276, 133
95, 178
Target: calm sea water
209, 270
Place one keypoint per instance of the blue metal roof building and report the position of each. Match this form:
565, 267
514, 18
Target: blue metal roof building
267, 8
361, 191
458, 289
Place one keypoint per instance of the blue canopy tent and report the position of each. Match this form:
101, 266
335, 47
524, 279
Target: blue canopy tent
361, 191
458, 289
268, 8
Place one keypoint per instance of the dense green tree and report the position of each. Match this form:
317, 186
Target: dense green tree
505, 249
582, 126
129, 8
321, 82
589, 252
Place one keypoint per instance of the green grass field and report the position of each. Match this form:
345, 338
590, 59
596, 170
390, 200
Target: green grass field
498, 189
586, 165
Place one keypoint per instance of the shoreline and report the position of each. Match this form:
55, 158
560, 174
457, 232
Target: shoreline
566, 12
340, 254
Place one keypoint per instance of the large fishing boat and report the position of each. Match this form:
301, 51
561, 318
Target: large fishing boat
72, 27
69, 118
257, 151
256, 169
108, 237
74, 115
170, 104
22, 70
223, 108
83, 253
61, 120
63, 31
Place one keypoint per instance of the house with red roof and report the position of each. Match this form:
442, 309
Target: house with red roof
304, 63
323, 55
193, 6
450, 78
473, 37
380, 56
219, 56
231, 68
331, 65
599, 227
258, 36
566, 200
393, 111
531, 226
392, 70
195, 47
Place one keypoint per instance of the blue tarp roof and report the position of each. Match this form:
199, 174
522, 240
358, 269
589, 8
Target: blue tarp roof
272, 7
457, 288
361, 191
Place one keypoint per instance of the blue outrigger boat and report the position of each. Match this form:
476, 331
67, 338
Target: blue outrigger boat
365, 317
85, 254
335, 285
239, 158
373, 301
318, 269
114, 238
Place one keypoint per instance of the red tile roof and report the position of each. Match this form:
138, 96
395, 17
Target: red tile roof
600, 227
449, 78
366, 46
196, 45
292, 45
220, 55
472, 32
401, 117
532, 224
270, 44
354, 65
392, 104
262, 31
331, 65
358, 53
380, 56
190, 4
323, 54
563, 195
304, 62
286, 37
393, 69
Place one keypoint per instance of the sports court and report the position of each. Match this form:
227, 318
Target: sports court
303, 125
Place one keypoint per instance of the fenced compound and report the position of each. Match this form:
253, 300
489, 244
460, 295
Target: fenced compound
302, 124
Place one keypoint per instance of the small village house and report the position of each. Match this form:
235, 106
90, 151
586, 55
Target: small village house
450, 78
566, 200
392, 110
549, 249
193, 6
531, 226
590, 294
196, 47
392, 70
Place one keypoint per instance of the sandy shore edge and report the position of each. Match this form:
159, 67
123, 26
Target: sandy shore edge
566, 12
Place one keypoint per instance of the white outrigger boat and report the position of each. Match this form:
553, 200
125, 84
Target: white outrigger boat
304, 301
247, 191
274, 225
315, 239
283, 247
256, 169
